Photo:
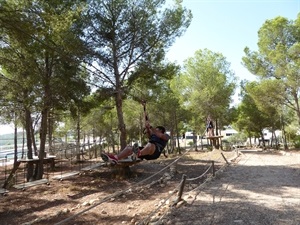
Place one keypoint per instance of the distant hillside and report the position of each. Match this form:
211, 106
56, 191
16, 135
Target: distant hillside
8, 139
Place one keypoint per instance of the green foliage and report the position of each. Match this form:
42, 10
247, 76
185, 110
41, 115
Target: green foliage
251, 120
237, 138
277, 62
39, 52
267, 104
296, 142
127, 40
205, 87
37, 55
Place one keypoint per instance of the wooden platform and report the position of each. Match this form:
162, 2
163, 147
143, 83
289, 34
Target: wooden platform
48, 159
214, 137
215, 141
65, 175
94, 166
31, 183
3, 191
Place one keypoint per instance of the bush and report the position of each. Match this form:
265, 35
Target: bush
296, 141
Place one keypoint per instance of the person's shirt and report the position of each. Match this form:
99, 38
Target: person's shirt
210, 124
162, 143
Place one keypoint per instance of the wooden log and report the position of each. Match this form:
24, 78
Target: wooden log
31, 183
65, 175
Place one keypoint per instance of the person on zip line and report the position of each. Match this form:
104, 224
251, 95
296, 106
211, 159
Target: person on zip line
158, 139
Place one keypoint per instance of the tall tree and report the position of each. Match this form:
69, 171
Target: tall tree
126, 35
36, 41
277, 58
251, 120
206, 86
266, 98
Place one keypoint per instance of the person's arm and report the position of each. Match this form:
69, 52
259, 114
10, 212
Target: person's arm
164, 137
152, 130
148, 128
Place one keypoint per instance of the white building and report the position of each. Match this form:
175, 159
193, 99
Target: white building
228, 132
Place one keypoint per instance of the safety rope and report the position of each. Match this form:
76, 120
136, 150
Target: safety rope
147, 119
119, 193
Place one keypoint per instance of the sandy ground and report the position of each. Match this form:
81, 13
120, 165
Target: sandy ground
260, 188
257, 188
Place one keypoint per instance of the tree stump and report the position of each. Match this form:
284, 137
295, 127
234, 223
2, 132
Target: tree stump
122, 169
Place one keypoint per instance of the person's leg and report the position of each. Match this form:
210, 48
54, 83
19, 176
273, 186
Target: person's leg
210, 134
148, 149
127, 151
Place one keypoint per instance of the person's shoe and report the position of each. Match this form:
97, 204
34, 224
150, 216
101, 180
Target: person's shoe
109, 158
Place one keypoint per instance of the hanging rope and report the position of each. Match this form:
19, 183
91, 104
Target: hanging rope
147, 119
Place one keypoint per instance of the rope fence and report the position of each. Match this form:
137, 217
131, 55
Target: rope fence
179, 190
119, 193
177, 193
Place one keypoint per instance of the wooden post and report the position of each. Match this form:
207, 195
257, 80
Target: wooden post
213, 168
181, 188
225, 158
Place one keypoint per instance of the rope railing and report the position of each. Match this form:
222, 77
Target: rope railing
202, 175
118, 193
178, 189
144, 221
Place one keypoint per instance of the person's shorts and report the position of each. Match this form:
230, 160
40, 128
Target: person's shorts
155, 155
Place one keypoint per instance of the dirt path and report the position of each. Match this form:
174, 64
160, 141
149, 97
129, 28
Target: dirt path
261, 188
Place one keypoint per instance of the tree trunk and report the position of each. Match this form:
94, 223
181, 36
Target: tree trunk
30, 166
43, 136
44, 116
296, 99
78, 138
262, 139
11, 175
50, 132
284, 136
16, 144
121, 124
33, 138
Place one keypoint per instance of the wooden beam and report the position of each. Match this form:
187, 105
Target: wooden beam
31, 183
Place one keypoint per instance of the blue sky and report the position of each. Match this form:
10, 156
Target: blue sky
227, 27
